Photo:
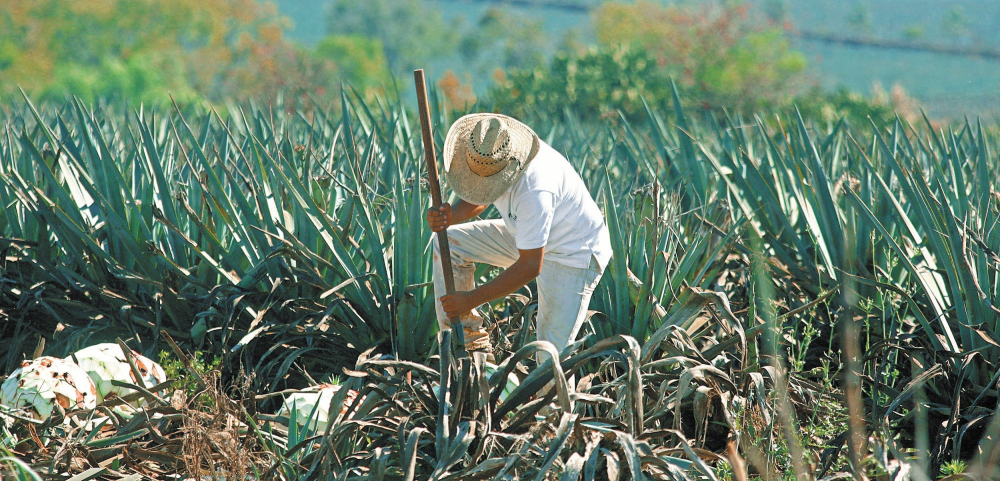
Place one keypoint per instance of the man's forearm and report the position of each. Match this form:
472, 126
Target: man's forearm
508, 281
527, 267
462, 211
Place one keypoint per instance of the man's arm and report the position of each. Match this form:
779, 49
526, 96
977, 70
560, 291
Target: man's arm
448, 214
526, 268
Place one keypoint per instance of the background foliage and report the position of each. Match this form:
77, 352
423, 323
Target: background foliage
143, 51
410, 34
726, 56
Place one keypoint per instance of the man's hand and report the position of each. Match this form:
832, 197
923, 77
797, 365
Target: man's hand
439, 219
458, 303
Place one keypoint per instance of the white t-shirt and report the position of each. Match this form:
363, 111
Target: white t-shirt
550, 206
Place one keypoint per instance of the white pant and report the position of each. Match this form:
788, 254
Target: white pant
563, 292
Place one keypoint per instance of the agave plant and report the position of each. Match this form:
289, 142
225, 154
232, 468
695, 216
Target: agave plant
38, 386
907, 232
650, 412
184, 241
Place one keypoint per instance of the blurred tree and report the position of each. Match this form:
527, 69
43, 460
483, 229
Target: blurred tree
458, 96
410, 33
593, 85
881, 108
357, 60
142, 50
571, 42
502, 39
723, 54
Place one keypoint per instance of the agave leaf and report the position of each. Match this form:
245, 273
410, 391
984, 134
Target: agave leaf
409, 460
631, 452
562, 435
455, 447
699, 183
161, 189
550, 369
618, 267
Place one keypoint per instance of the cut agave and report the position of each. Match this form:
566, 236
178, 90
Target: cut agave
107, 362
300, 406
40, 384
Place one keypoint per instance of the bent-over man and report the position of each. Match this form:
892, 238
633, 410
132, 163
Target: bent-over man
551, 228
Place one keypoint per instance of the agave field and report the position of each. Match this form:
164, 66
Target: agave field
787, 300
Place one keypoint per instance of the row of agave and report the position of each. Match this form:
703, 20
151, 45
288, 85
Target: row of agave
331, 432
862, 260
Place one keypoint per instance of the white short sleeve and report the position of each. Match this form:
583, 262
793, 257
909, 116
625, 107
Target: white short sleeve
550, 206
533, 213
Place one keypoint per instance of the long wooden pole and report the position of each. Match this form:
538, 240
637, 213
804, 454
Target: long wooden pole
458, 332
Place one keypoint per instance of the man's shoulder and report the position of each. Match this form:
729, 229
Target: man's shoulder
548, 165
547, 152
544, 175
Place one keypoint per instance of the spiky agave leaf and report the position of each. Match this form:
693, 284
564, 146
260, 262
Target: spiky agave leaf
38, 385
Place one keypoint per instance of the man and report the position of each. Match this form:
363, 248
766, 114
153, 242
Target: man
551, 228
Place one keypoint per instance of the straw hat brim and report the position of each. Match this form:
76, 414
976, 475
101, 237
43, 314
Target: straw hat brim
474, 188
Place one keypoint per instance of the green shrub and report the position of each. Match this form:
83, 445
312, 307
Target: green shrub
201, 363
596, 84
723, 55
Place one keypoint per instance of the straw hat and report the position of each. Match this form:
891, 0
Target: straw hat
484, 154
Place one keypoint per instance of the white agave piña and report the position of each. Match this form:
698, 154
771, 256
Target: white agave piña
107, 362
301, 405
317, 398
38, 385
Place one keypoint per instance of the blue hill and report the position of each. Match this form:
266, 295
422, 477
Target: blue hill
946, 84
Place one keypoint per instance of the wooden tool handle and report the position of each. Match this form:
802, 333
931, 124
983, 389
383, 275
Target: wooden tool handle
425, 128
432, 177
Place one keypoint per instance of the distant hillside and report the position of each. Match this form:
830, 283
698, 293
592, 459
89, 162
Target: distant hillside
963, 21
946, 84
308, 16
